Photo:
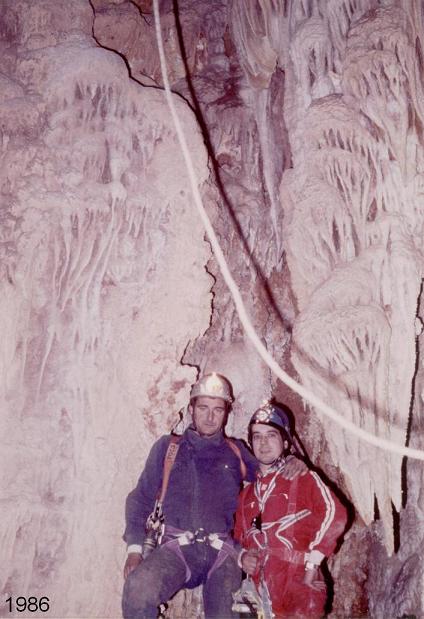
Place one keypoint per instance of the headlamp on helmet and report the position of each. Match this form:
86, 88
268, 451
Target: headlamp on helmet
271, 415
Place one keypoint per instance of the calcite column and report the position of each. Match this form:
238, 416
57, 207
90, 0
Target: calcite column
103, 285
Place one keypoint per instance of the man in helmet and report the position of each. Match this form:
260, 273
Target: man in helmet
286, 527
197, 506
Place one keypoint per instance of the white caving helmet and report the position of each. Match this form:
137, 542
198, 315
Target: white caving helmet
213, 385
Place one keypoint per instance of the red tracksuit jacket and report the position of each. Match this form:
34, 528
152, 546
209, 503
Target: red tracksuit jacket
293, 518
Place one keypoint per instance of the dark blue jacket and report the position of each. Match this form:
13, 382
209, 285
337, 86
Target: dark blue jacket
203, 486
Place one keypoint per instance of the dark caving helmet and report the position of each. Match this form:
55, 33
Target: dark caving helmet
272, 415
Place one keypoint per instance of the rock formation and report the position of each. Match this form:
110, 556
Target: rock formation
307, 139
103, 286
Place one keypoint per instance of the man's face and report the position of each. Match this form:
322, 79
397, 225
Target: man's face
267, 443
208, 415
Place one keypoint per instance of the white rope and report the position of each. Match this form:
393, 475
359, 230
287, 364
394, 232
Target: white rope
235, 293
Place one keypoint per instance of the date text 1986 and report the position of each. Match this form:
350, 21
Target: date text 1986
31, 604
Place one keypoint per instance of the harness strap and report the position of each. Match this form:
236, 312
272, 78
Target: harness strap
173, 545
179, 538
227, 550
184, 538
236, 450
168, 463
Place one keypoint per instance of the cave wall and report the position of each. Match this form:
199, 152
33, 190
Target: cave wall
103, 285
243, 213
352, 229
308, 149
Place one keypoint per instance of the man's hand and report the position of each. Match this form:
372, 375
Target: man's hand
133, 560
293, 467
314, 579
310, 576
250, 561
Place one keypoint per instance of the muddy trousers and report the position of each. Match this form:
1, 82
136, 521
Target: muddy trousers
164, 573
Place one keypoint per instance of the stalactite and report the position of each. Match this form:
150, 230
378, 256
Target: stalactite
348, 202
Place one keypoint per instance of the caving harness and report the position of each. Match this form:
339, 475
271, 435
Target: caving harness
157, 532
251, 598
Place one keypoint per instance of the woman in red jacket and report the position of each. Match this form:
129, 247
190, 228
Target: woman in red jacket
286, 527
